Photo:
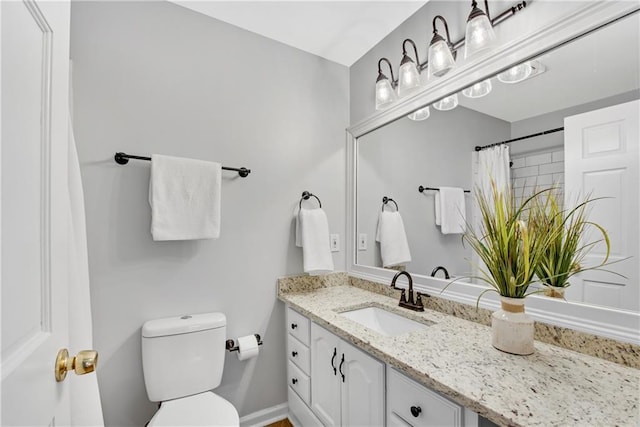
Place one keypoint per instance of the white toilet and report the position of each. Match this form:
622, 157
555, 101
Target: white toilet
182, 360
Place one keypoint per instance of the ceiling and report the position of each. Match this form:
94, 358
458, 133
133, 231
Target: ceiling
593, 67
340, 31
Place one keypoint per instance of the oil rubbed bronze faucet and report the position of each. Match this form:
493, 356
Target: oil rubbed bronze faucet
438, 268
404, 302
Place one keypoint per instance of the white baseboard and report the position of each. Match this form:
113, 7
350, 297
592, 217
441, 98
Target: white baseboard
265, 416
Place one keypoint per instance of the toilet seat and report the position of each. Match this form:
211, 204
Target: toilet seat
204, 409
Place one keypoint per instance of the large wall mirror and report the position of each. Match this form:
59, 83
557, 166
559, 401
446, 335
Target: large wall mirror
576, 85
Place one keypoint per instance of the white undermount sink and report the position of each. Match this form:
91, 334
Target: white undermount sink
383, 321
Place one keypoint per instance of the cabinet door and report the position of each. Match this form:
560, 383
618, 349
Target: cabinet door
325, 385
362, 388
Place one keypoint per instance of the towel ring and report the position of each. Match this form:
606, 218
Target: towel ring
305, 196
386, 200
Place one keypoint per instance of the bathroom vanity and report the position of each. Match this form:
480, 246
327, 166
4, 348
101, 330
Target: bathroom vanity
446, 372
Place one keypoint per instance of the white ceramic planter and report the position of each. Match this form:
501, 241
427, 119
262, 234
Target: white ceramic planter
511, 328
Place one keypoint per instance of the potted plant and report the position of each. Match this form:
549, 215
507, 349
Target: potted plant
566, 250
510, 250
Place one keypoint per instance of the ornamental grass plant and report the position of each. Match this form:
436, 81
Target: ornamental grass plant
507, 242
566, 249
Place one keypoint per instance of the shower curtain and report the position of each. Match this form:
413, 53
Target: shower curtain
493, 164
86, 409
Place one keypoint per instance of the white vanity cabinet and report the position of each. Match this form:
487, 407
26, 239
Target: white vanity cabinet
299, 370
347, 385
333, 383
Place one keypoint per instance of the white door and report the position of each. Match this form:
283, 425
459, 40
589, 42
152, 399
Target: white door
325, 382
34, 210
362, 388
602, 159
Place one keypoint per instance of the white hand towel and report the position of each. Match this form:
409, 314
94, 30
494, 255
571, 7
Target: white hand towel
452, 210
394, 247
184, 195
312, 233
437, 206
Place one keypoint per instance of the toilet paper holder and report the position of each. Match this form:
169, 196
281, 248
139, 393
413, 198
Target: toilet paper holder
231, 345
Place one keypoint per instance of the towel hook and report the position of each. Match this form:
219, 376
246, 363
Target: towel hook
305, 196
386, 200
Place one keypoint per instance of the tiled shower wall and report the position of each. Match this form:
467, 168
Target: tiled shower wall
541, 169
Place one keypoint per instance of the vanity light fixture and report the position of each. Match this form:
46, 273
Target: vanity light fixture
479, 34
516, 74
522, 72
441, 55
409, 79
447, 103
385, 95
441, 59
421, 114
478, 90
409, 74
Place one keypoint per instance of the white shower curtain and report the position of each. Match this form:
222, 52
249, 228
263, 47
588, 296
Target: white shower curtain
493, 164
86, 409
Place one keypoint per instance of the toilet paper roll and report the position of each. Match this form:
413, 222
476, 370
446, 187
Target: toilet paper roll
247, 347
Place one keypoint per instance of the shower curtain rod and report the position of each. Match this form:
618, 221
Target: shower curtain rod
478, 148
123, 158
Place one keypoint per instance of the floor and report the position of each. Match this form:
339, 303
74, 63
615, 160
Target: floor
281, 423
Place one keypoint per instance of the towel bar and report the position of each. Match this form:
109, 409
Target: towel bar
423, 189
123, 158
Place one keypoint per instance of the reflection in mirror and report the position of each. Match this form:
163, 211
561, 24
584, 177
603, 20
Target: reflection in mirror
584, 87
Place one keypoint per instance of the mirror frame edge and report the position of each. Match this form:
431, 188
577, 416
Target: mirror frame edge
601, 321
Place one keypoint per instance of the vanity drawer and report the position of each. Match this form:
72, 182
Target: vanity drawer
430, 408
299, 382
298, 326
298, 353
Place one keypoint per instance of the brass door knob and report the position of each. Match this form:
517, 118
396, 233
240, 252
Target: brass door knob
86, 361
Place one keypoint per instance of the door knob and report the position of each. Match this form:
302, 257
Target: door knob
84, 362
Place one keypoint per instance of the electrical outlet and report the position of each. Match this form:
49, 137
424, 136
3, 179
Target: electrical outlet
362, 242
335, 242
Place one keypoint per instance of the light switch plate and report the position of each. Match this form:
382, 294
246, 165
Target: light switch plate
362, 242
335, 242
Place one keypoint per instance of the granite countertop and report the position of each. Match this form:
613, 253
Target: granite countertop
553, 386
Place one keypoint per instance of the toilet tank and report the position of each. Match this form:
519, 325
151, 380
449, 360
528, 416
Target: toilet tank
183, 355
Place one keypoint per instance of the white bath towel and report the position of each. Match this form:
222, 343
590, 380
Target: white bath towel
394, 248
184, 195
312, 234
437, 206
452, 210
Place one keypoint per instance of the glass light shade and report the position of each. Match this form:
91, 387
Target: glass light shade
448, 103
421, 114
385, 95
440, 58
478, 36
478, 90
516, 74
409, 79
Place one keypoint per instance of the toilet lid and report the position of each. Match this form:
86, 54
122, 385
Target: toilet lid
204, 409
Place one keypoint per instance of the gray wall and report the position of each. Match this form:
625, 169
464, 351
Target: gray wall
153, 77
396, 159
